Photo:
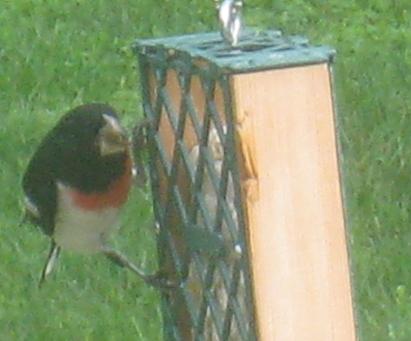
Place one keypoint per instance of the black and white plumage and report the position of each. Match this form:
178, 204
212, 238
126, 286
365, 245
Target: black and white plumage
77, 181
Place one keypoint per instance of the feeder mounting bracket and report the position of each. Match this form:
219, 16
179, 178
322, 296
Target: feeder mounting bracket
229, 15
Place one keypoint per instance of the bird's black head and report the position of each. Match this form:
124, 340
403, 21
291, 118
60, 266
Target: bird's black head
92, 128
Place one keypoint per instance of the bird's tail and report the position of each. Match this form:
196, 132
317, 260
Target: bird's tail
50, 262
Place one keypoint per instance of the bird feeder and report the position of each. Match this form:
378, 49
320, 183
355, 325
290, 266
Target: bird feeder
246, 187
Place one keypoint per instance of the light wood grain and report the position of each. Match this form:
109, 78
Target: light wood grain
292, 197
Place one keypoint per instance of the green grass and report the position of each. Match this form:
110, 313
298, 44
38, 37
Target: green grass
56, 54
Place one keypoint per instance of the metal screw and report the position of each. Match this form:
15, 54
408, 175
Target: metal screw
229, 14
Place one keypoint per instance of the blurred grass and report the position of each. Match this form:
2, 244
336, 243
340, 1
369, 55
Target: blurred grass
56, 54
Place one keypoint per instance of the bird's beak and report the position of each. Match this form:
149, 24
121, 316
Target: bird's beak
112, 138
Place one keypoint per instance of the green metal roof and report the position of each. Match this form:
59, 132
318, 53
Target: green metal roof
256, 50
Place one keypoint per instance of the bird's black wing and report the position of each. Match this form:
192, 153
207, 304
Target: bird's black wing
39, 184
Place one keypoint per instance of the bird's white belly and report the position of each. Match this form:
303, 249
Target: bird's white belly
81, 230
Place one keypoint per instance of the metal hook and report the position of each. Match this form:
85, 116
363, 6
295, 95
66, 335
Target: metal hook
229, 14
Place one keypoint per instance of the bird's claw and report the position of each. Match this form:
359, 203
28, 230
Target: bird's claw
160, 280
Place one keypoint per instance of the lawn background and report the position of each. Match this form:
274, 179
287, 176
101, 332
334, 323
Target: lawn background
57, 54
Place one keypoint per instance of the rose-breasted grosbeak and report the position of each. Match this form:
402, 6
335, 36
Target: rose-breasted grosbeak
77, 181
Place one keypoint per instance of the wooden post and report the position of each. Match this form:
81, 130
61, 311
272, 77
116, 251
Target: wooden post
292, 195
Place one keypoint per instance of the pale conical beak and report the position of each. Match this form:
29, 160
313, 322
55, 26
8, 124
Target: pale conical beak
112, 138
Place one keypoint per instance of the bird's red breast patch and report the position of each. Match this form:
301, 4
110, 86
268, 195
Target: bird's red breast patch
115, 196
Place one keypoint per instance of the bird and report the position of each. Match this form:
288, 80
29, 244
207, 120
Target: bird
76, 183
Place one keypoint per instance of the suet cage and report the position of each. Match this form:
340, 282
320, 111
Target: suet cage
246, 187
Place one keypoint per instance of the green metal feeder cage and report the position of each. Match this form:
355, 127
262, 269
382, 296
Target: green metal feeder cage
202, 168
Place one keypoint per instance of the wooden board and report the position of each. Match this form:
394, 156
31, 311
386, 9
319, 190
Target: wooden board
291, 185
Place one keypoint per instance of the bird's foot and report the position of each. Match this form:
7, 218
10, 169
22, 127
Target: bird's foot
160, 280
